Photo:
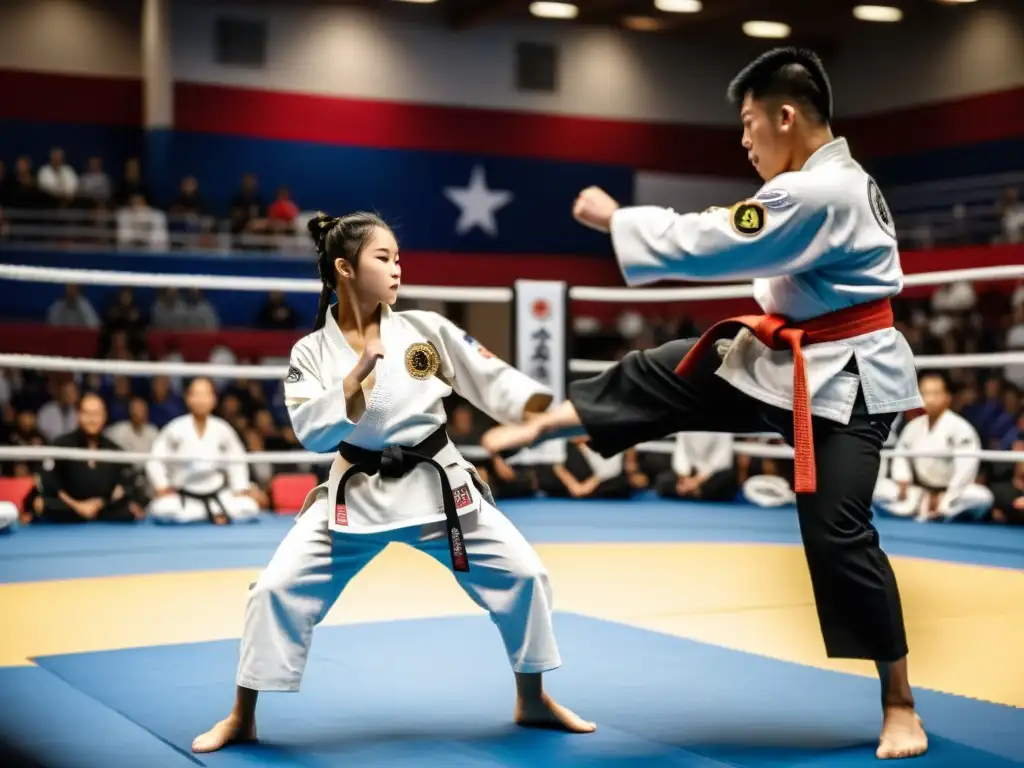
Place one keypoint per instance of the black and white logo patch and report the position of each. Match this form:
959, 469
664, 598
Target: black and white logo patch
881, 209
294, 375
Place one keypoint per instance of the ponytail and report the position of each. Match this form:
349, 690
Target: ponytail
323, 308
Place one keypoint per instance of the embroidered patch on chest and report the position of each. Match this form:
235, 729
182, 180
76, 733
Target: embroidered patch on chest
422, 360
340, 515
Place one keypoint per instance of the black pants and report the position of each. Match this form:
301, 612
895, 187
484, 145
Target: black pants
641, 398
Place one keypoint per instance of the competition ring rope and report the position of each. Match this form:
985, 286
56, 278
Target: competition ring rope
23, 273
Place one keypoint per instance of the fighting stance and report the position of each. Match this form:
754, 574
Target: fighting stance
824, 366
933, 488
204, 488
369, 383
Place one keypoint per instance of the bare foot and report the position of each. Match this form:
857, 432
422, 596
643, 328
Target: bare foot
228, 731
545, 712
902, 734
509, 436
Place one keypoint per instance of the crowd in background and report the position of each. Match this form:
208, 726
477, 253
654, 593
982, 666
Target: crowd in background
58, 202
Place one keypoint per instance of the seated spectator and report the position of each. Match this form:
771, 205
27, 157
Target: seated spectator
282, 213
73, 310
131, 185
135, 434
199, 312
202, 489
276, 315
1011, 215
118, 397
188, 204
248, 214
141, 226
586, 474
58, 180
702, 468
95, 186
76, 491
164, 405
60, 415
169, 312
23, 192
935, 488
262, 472
26, 434
123, 315
1008, 496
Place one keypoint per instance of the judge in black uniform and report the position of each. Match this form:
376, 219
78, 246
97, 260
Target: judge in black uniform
76, 491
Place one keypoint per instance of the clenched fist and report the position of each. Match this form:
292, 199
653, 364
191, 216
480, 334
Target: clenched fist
594, 208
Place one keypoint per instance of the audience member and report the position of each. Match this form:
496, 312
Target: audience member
60, 415
75, 491
73, 310
134, 434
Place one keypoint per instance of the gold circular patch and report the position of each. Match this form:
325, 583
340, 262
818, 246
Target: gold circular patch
422, 360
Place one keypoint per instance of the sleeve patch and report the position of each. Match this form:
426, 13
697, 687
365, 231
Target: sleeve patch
774, 199
748, 217
294, 375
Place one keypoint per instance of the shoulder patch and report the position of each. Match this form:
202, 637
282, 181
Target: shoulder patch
880, 209
294, 375
748, 217
775, 199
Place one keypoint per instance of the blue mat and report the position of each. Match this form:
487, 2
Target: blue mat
65, 552
438, 692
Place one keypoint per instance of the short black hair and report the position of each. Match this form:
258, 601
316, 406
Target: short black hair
794, 73
937, 375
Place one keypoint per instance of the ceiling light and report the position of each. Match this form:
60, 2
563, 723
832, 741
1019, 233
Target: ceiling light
877, 13
766, 29
678, 6
554, 10
642, 23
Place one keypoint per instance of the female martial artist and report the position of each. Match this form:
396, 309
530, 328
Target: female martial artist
369, 383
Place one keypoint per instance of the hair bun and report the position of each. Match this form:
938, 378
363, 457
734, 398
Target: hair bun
319, 226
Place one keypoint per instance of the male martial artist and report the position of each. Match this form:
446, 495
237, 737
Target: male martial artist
824, 367
932, 488
201, 488
76, 491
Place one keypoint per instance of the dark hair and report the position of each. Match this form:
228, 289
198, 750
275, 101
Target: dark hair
941, 376
339, 237
791, 73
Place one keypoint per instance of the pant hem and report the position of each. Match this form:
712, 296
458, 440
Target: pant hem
278, 686
537, 667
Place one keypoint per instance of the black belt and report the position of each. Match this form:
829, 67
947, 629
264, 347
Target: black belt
396, 461
208, 500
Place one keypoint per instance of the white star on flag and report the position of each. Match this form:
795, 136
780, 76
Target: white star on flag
477, 204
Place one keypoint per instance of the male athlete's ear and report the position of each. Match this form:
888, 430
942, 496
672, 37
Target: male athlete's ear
787, 116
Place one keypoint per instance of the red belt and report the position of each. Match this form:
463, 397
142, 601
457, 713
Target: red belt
777, 333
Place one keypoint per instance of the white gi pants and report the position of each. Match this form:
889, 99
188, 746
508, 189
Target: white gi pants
8, 517
768, 491
972, 503
177, 509
312, 566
